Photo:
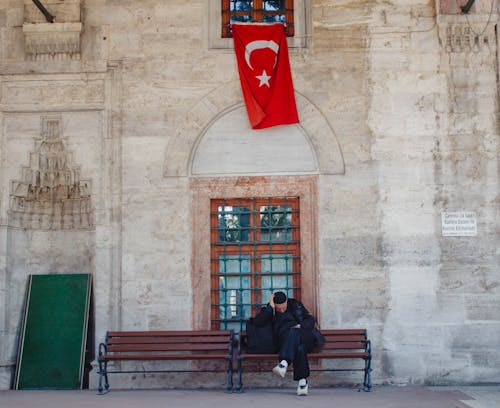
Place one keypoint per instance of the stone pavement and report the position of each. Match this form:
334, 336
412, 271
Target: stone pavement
341, 397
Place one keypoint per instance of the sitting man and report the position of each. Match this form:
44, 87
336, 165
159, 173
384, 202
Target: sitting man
293, 331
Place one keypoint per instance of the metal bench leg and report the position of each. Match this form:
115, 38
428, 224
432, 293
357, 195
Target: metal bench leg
240, 370
367, 383
103, 368
230, 374
103, 375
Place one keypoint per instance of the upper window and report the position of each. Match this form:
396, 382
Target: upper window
254, 11
255, 250
294, 14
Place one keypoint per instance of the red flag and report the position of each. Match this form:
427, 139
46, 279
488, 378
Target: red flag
264, 68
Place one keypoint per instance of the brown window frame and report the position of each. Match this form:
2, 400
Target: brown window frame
254, 250
257, 15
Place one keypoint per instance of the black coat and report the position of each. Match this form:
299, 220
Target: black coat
295, 313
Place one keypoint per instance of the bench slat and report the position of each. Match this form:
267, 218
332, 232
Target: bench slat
360, 354
339, 346
167, 347
310, 355
165, 333
165, 356
344, 338
344, 331
163, 340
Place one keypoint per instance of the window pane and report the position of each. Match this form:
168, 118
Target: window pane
276, 264
274, 18
276, 275
276, 223
283, 283
235, 298
234, 264
241, 5
234, 287
234, 223
275, 5
274, 11
241, 19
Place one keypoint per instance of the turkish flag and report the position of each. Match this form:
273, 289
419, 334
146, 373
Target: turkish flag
264, 68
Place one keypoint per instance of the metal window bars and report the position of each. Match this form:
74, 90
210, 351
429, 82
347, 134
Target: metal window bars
257, 11
255, 250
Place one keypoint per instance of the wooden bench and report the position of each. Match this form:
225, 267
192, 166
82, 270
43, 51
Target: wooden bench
166, 345
339, 344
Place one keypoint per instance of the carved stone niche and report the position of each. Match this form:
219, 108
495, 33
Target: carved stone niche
51, 195
59, 40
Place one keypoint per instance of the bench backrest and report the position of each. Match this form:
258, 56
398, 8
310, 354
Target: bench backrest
169, 341
339, 339
351, 339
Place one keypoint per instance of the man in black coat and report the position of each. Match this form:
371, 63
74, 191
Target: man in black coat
293, 331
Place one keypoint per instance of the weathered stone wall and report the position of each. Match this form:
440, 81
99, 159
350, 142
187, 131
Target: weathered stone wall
399, 105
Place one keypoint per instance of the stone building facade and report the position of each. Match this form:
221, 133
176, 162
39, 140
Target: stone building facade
121, 120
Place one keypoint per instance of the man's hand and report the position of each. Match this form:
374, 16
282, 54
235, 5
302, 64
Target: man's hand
271, 301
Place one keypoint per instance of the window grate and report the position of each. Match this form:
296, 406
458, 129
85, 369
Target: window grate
257, 11
255, 250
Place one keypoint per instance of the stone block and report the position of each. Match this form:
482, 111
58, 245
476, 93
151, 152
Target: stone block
358, 311
483, 307
14, 16
25, 94
410, 280
468, 251
417, 308
138, 171
6, 374
467, 337
384, 62
450, 309
486, 359
421, 251
356, 251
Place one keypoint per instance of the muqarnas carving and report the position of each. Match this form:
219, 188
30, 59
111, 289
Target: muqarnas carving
472, 37
57, 40
51, 195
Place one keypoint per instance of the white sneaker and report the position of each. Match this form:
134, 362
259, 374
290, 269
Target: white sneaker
280, 369
303, 387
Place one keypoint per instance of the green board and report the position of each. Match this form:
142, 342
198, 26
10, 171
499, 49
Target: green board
53, 338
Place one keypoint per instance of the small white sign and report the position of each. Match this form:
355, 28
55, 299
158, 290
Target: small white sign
459, 224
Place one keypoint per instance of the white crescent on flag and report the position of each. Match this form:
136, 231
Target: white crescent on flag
259, 45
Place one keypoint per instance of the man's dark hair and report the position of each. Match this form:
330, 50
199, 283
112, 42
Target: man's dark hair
279, 298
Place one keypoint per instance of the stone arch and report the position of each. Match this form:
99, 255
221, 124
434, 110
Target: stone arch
218, 102
230, 147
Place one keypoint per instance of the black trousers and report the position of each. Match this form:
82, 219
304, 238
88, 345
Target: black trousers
294, 346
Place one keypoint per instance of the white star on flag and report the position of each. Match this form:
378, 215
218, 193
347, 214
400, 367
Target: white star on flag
264, 79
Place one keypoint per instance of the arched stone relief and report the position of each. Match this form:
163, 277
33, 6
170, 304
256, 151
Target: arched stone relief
51, 195
222, 100
229, 147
